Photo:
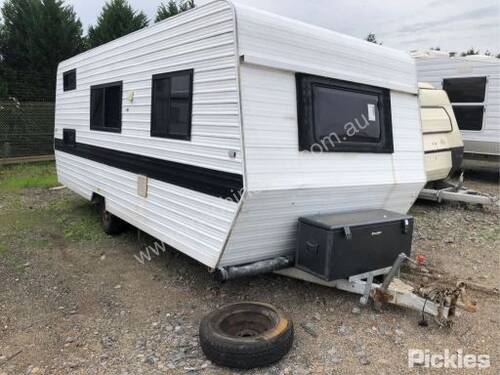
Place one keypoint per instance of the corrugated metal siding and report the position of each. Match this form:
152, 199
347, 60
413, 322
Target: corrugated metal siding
294, 45
434, 69
192, 222
266, 226
284, 184
273, 160
202, 39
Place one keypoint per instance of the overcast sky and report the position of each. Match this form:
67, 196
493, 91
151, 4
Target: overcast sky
453, 25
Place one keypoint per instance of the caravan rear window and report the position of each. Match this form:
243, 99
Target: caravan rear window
467, 97
172, 105
106, 107
340, 116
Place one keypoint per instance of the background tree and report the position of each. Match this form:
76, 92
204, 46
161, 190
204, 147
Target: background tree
34, 37
469, 52
172, 8
117, 19
372, 38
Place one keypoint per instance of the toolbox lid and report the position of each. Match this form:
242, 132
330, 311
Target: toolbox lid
352, 219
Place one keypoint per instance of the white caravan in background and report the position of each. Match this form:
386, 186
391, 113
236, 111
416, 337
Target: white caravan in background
473, 87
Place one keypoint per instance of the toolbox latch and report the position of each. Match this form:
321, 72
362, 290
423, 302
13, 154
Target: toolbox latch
312, 247
406, 226
348, 234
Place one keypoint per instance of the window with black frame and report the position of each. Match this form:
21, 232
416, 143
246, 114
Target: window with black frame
106, 107
467, 96
172, 100
69, 80
340, 116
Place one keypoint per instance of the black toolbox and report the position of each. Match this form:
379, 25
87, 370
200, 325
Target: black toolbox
338, 246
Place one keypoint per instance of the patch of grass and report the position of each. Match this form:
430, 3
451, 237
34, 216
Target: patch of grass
489, 234
82, 225
3, 249
70, 218
14, 178
78, 220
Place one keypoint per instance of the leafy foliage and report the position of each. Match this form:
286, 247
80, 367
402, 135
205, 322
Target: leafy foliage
35, 36
172, 8
372, 38
471, 51
117, 19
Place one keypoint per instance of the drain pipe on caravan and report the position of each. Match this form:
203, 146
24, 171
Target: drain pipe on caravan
253, 269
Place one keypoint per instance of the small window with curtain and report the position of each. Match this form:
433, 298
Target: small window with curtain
106, 107
467, 96
172, 100
341, 116
69, 80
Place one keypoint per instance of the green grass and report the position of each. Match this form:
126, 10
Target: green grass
22, 176
39, 222
39, 225
79, 221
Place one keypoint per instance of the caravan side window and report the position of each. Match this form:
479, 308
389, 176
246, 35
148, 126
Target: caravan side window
106, 107
69, 80
467, 97
340, 116
172, 100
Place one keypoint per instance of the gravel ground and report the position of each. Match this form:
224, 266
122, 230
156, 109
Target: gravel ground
74, 301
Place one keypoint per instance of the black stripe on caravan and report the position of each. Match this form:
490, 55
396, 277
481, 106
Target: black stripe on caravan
209, 181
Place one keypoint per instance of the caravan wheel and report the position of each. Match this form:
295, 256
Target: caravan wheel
110, 223
246, 335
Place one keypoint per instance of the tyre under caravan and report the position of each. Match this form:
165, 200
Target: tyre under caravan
216, 129
473, 86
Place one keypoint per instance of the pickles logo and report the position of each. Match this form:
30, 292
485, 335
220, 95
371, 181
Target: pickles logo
447, 359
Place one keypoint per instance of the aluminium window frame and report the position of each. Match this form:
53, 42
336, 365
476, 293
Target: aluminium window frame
305, 110
157, 134
103, 87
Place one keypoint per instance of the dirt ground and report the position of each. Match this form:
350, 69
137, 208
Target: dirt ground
75, 301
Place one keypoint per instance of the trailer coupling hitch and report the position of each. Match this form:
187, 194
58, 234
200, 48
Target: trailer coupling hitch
452, 298
441, 302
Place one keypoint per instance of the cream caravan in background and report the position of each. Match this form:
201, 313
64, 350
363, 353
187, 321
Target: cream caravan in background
443, 145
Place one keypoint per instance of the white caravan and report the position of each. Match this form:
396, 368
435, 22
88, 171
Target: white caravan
216, 129
473, 87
